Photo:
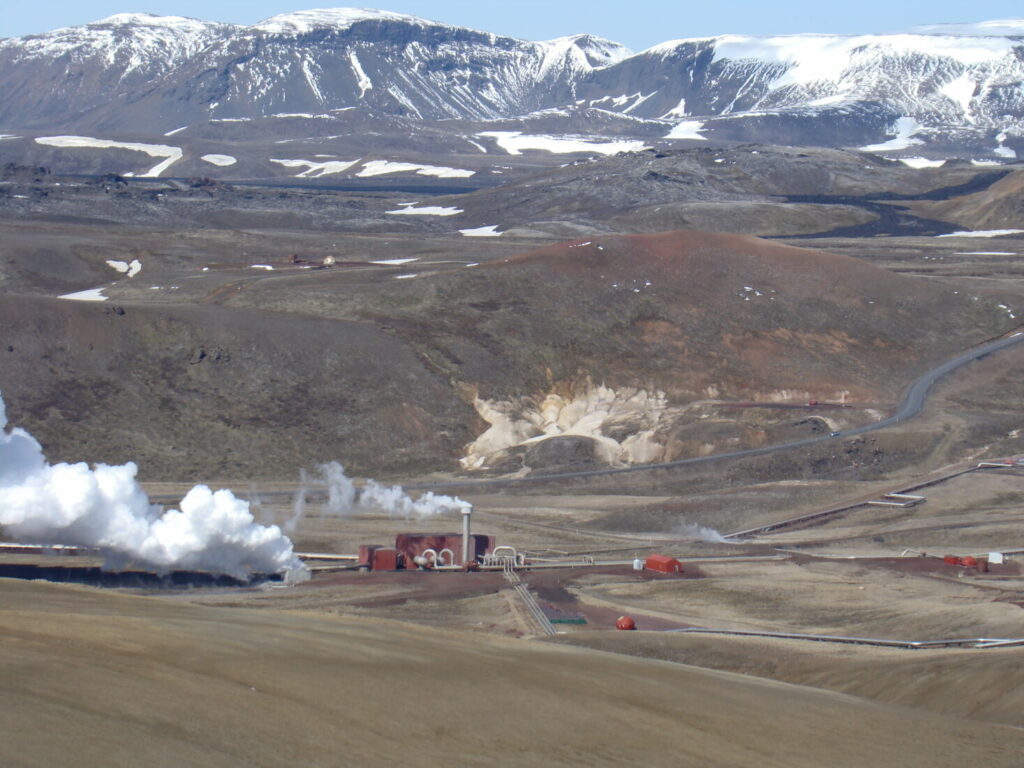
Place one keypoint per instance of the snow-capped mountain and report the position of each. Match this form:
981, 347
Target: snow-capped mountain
311, 61
942, 81
50, 79
959, 85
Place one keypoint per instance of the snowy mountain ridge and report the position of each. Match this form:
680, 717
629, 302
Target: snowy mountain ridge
147, 73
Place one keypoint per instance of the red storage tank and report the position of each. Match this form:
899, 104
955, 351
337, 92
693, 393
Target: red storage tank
663, 564
951, 560
968, 562
625, 622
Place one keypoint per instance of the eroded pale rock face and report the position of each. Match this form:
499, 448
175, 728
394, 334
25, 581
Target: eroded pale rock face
585, 426
622, 423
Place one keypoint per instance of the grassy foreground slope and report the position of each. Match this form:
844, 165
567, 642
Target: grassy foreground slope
120, 680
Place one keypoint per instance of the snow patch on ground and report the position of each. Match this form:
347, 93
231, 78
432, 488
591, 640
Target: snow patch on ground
93, 294
171, 154
1008, 152
395, 262
678, 111
221, 160
311, 80
984, 253
267, 267
826, 101
430, 210
905, 129
406, 277
922, 162
315, 169
364, 82
5, 136
961, 91
688, 129
750, 292
383, 167
176, 131
303, 115
129, 268
986, 233
514, 142
488, 231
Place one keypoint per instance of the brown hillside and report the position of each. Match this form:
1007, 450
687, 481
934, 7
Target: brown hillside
963, 683
745, 315
200, 392
1000, 206
117, 680
677, 310
255, 374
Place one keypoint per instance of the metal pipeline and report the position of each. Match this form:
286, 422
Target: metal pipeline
967, 642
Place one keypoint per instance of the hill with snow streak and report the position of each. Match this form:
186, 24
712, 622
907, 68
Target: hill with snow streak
943, 86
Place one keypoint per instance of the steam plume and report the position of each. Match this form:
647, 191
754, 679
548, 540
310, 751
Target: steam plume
344, 498
700, 533
104, 507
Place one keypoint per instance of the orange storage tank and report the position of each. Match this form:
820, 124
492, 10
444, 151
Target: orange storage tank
663, 564
625, 622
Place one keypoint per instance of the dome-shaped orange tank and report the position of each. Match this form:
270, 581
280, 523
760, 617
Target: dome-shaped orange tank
625, 622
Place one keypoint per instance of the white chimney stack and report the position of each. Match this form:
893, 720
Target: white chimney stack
466, 512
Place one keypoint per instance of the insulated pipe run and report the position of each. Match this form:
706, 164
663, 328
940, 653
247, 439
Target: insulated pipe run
465, 535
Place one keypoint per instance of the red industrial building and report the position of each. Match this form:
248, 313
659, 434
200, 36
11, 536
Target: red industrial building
663, 564
425, 550
376, 558
417, 545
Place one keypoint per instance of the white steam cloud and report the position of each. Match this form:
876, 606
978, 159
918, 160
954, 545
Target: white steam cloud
104, 507
344, 498
700, 533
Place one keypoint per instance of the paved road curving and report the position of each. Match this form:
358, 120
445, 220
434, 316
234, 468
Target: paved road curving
911, 405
